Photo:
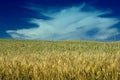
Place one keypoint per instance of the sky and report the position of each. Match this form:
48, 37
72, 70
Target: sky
60, 19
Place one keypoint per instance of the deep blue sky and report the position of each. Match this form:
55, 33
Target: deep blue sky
21, 19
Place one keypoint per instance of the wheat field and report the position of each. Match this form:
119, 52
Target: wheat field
59, 60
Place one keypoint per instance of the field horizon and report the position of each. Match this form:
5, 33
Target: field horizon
59, 60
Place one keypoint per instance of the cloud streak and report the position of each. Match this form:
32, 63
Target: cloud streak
73, 23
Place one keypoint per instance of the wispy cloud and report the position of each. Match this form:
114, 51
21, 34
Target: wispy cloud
71, 23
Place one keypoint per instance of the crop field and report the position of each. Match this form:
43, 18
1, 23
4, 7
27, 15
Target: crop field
59, 60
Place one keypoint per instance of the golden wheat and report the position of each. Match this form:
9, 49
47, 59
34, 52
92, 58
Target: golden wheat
59, 60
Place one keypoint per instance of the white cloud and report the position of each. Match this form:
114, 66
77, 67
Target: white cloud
69, 23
